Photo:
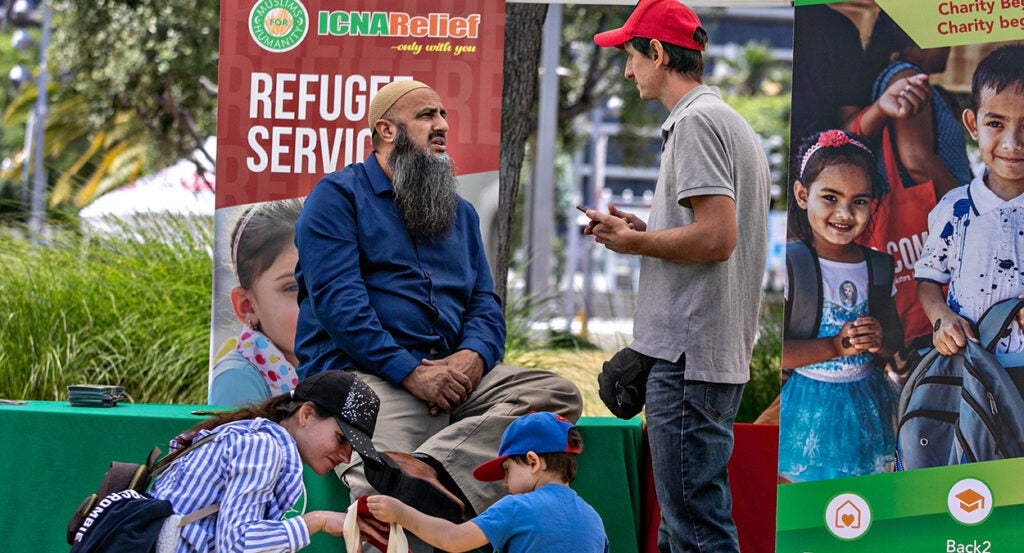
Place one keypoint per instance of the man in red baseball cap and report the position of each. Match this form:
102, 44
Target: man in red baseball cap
666, 20
703, 253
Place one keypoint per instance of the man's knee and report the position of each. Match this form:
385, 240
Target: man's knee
563, 387
558, 394
540, 390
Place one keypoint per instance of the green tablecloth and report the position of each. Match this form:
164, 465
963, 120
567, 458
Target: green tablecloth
53, 455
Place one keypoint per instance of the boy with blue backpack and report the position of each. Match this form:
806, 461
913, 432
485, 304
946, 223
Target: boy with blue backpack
963, 402
976, 232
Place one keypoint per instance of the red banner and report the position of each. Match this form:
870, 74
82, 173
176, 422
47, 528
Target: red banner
296, 78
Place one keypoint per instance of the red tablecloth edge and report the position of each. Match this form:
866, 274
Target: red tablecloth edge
753, 477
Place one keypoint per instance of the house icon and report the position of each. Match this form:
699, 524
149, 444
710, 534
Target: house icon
847, 516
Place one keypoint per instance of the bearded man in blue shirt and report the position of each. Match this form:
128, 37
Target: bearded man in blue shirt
394, 284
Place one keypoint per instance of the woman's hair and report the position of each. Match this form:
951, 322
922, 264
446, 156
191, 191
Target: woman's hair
682, 60
564, 464
276, 409
260, 235
827, 149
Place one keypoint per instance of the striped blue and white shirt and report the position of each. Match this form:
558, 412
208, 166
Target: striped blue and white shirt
253, 469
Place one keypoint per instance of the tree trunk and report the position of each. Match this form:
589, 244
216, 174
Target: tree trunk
523, 33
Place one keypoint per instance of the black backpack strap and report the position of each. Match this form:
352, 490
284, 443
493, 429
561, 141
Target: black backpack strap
803, 306
880, 269
996, 321
157, 467
881, 304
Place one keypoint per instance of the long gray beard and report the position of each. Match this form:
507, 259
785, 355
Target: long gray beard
425, 188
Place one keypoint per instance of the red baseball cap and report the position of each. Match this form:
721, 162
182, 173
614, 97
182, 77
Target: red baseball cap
669, 21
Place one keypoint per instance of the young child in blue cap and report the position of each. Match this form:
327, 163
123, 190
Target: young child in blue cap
536, 461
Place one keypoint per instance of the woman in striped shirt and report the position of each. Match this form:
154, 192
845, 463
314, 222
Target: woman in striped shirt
252, 467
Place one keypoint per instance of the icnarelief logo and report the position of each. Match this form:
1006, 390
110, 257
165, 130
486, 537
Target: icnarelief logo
278, 25
397, 24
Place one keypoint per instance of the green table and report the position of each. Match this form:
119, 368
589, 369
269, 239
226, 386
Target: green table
53, 455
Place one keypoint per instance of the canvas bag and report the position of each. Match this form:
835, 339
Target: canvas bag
966, 407
899, 227
397, 542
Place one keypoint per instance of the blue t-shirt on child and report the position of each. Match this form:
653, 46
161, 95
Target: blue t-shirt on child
550, 519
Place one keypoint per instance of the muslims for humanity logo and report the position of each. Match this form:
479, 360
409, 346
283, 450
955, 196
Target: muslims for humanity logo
278, 25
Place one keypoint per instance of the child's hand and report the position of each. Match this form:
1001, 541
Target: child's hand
906, 97
384, 508
1020, 314
867, 334
863, 334
951, 333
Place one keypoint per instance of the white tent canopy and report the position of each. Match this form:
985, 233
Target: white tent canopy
178, 189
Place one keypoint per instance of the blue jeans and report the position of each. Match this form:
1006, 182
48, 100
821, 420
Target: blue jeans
689, 426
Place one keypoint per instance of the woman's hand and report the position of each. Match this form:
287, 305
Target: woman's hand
331, 522
373, 528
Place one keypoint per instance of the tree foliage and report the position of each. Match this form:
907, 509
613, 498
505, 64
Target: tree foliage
131, 91
83, 163
149, 58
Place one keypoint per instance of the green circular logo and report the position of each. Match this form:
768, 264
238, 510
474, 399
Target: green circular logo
278, 25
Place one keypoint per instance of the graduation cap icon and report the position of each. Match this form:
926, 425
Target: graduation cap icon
970, 500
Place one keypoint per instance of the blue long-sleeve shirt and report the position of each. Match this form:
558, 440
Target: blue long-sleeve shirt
376, 297
253, 470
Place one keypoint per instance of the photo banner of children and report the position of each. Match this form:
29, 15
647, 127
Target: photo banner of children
905, 226
296, 79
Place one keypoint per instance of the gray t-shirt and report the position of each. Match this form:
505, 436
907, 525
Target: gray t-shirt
707, 310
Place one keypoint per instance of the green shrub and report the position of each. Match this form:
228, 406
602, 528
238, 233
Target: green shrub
128, 308
132, 308
765, 364
580, 361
